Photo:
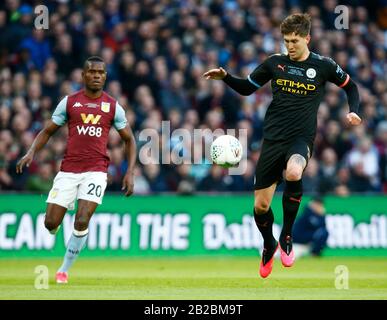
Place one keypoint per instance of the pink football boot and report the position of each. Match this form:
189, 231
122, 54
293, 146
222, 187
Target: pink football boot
267, 262
287, 255
61, 277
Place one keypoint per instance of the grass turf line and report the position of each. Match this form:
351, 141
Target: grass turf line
213, 278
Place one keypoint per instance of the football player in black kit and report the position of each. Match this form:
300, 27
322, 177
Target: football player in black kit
297, 80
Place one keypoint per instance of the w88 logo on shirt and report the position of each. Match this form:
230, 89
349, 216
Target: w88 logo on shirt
90, 130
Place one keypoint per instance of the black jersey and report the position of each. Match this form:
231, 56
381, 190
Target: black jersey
298, 88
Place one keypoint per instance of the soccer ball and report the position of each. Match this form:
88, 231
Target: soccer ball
226, 151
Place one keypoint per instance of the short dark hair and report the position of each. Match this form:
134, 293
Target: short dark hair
299, 23
92, 59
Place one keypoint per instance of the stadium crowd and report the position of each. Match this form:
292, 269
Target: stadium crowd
156, 52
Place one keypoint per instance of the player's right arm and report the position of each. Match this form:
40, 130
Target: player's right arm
39, 142
245, 87
242, 86
59, 118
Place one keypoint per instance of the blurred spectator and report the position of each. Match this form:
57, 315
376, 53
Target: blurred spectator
174, 95
20, 28
214, 181
38, 47
220, 97
64, 53
328, 170
364, 164
141, 185
42, 181
333, 138
310, 228
310, 179
245, 181
5, 178
116, 169
180, 179
381, 146
343, 182
155, 178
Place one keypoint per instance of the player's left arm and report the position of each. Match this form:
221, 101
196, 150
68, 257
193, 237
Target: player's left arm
353, 101
121, 124
344, 81
130, 150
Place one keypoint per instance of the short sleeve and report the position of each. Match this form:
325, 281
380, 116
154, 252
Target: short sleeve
120, 121
261, 74
336, 75
59, 117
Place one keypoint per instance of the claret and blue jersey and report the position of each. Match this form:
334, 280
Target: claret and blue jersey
89, 121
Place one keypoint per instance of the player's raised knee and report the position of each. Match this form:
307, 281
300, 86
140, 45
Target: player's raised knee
293, 173
261, 207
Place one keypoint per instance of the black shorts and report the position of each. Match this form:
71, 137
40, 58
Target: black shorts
273, 158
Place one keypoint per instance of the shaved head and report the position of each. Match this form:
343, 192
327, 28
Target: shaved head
91, 60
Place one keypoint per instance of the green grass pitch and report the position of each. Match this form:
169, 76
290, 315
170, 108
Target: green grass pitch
234, 278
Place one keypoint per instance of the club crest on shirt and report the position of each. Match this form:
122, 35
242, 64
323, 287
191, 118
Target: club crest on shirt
54, 193
311, 73
105, 106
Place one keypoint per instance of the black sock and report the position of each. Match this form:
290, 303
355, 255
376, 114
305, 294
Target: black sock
264, 223
291, 201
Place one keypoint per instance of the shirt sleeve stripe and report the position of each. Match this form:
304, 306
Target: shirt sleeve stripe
345, 82
59, 117
253, 82
120, 121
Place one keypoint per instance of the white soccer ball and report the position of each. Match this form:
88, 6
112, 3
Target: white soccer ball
226, 151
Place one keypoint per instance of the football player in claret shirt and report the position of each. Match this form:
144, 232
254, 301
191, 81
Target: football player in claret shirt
297, 80
89, 114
